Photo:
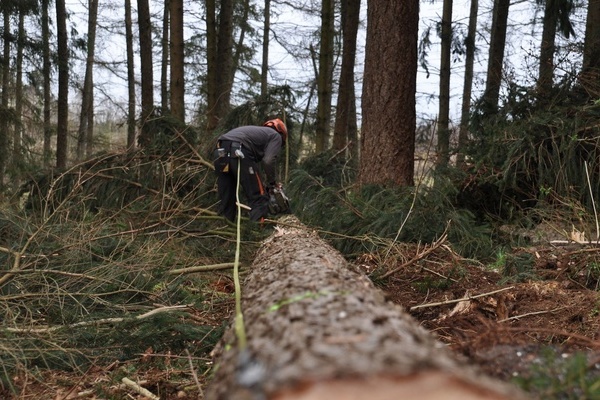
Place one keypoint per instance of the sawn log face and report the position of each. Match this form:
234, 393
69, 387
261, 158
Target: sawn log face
309, 318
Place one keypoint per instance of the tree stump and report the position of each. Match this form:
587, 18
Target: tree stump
318, 330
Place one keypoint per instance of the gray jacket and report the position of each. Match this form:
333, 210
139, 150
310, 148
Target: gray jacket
263, 143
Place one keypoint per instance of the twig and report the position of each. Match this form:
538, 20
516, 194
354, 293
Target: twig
587, 174
443, 303
419, 256
96, 322
532, 313
201, 268
200, 392
569, 335
438, 274
134, 386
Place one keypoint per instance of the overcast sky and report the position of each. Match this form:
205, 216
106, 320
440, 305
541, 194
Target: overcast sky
520, 51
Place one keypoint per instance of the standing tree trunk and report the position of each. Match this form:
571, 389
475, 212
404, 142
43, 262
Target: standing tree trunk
591, 50
130, 79
147, 76
317, 330
4, 101
496, 58
18, 130
177, 60
62, 121
46, 68
443, 126
219, 58
84, 145
164, 67
345, 130
264, 71
463, 133
238, 47
546, 68
324, 85
389, 88
557, 15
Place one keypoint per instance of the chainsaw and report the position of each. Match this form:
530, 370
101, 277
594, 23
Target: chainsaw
279, 203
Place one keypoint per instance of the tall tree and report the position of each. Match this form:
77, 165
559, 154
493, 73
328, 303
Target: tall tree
389, 93
556, 17
147, 76
264, 71
324, 79
18, 130
62, 121
46, 73
219, 38
130, 78
591, 48
86, 116
177, 60
496, 56
4, 100
345, 132
443, 126
463, 133
164, 67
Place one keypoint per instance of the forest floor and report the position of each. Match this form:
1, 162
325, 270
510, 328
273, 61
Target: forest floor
515, 330
509, 328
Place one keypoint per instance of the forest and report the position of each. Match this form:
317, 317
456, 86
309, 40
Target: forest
442, 164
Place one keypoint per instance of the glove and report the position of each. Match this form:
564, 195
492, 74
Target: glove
271, 187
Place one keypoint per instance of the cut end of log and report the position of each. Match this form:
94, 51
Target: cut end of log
431, 385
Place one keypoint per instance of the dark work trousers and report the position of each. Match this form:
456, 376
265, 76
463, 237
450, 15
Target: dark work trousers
250, 183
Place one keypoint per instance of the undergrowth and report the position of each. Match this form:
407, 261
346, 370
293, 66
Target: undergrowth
88, 269
561, 376
356, 219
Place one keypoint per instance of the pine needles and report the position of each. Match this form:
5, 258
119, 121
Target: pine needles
88, 262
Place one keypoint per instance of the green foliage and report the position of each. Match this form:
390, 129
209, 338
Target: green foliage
354, 216
534, 149
93, 252
518, 267
558, 376
165, 135
117, 180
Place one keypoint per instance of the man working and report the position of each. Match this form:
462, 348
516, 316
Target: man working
246, 146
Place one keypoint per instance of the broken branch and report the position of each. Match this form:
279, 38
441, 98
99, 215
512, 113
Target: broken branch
445, 302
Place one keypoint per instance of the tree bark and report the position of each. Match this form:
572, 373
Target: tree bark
463, 134
46, 69
4, 101
324, 85
315, 329
345, 131
389, 90
443, 126
164, 65
18, 131
219, 59
85, 133
591, 50
547, 49
147, 75
131, 128
177, 60
264, 71
496, 58
62, 120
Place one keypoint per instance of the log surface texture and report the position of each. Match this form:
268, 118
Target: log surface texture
317, 330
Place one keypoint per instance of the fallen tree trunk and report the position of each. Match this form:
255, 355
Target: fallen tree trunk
318, 330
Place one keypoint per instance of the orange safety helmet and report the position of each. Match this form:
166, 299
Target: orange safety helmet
279, 126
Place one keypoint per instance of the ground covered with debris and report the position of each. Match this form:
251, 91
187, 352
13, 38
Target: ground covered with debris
532, 317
